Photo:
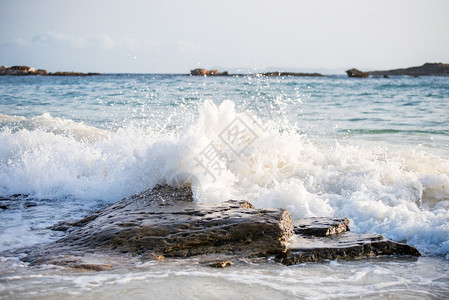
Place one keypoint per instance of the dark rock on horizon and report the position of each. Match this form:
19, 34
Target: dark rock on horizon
204, 72
72, 74
41, 72
164, 222
293, 74
16, 70
427, 69
356, 73
25, 71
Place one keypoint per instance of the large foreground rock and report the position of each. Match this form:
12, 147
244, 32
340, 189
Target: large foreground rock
165, 222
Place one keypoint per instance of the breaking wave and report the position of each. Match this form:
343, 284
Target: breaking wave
223, 153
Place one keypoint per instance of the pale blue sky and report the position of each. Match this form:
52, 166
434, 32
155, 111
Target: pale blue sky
176, 36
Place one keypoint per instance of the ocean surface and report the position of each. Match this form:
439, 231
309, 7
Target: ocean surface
373, 150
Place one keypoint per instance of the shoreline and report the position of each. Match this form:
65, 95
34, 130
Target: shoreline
427, 69
30, 71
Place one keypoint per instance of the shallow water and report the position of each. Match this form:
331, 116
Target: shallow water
374, 150
381, 278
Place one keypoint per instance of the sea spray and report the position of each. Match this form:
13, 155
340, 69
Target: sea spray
402, 194
374, 151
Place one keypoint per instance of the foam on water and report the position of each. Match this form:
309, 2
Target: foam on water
377, 279
401, 193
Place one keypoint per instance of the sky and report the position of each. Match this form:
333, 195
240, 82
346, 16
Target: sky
174, 36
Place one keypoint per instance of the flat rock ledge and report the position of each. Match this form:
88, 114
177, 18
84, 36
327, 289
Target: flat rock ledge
320, 227
164, 222
342, 246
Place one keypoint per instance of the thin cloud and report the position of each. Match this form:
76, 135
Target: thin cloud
88, 41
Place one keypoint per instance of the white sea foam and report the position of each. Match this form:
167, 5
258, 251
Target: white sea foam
10, 119
58, 126
366, 279
401, 193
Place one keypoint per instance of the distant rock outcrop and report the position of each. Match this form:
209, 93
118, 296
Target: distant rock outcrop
16, 70
25, 71
41, 72
72, 74
356, 73
294, 74
204, 72
427, 69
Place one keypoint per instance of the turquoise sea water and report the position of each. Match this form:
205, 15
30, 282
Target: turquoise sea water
401, 106
374, 150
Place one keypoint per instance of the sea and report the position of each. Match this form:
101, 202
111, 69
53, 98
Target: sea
373, 150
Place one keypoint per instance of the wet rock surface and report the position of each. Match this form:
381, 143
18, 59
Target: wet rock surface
342, 246
320, 226
165, 223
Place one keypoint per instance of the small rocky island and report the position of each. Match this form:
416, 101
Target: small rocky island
165, 223
204, 72
25, 71
428, 69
